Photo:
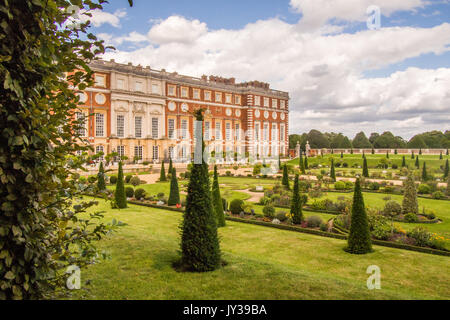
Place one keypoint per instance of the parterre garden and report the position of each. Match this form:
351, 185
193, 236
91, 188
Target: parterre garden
263, 236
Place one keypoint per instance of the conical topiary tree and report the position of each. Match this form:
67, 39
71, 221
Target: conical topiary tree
174, 195
170, 166
365, 171
285, 181
217, 200
387, 154
101, 184
279, 163
332, 171
342, 154
417, 162
446, 169
410, 204
200, 249
119, 194
412, 155
448, 186
420, 151
162, 176
403, 162
306, 163
296, 203
359, 241
302, 164
441, 156
424, 172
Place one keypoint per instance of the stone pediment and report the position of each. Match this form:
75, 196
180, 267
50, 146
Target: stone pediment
139, 108
120, 108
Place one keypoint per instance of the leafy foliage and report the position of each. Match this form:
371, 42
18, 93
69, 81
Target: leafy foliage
119, 194
217, 200
410, 204
41, 62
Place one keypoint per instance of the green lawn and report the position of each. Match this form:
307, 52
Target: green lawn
263, 263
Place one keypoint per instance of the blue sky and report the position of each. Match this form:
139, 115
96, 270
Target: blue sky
262, 35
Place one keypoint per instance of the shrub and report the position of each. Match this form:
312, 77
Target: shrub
225, 204
236, 206
345, 165
281, 216
410, 204
421, 235
392, 208
119, 194
339, 185
323, 227
394, 166
128, 178
349, 185
129, 192
314, 221
411, 217
113, 179
438, 195
174, 195
374, 186
92, 179
139, 194
160, 195
135, 181
424, 189
269, 211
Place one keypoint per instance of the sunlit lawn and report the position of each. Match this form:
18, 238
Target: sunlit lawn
263, 263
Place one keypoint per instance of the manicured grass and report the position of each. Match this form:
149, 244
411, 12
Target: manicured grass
263, 263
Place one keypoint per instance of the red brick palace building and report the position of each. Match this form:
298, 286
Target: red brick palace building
146, 114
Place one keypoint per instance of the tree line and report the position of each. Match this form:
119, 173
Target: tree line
330, 140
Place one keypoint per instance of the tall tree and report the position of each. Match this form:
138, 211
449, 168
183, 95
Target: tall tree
217, 200
416, 142
332, 171
365, 171
412, 155
119, 194
174, 195
403, 162
417, 164
306, 163
200, 249
302, 164
170, 166
424, 172
410, 204
162, 175
285, 181
359, 241
446, 169
296, 203
101, 184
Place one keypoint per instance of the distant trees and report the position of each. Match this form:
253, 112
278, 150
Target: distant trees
319, 140
360, 141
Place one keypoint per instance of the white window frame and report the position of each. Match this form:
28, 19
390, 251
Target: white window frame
218, 129
120, 125
171, 128
257, 100
218, 97
155, 152
184, 129
138, 120
155, 128
207, 95
138, 152
99, 125
207, 130
228, 131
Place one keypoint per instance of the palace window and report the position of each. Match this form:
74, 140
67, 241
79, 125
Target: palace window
138, 151
99, 125
282, 104
121, 151
139, 86
184, 92
274, 132
120, 84
120, 126
266, 102
282, 134
80, 116
138, 127
257, 100
228, 131
228, 98
256, 131
274, 103
184, 129
100, 80
207, 130
196, 93
237, 99
171, 90
208, 95
236, 132
218, 131
266, 132
155, 88
218, 97
171, 152
171, 128
155, 153
99, 149
155, 129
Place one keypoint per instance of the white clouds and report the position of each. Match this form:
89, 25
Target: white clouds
176, 29
323, 73
317, 13
100, 17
